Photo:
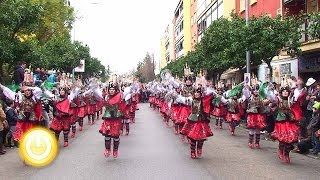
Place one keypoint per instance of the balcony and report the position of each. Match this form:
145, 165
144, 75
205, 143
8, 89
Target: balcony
286, 2
308, 43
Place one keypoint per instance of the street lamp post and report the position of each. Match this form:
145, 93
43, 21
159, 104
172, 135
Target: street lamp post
247, 24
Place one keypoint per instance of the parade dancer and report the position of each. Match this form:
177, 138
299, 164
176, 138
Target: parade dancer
81, 112
133, 108
175, 110
164, 108
286, 130
219, 108
233, 116
197, 128
255, 118
151, 99
185, 108
112, 117
99, 105
74, 117
127, 106
30, 109
62, 115
91, 108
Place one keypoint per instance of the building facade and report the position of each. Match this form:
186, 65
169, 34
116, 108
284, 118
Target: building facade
209, 11
273, 8
167, 46
182, 28
309, 60
306, 65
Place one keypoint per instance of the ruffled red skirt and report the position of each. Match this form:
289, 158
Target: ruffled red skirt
111, 127
233, 117
99, 105
91, 109
197, 130
219, 111
151, 99
158, 102
164, 107
175, 111
184, 114
256, 121
60, 123
74, 115
81, 112
22, 127
133, 106
126, 111
287, 132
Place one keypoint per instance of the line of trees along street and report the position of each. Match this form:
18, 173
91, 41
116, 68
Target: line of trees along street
225, 41
38, 32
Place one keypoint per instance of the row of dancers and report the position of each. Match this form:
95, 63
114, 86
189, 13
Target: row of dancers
191, 107
72, 104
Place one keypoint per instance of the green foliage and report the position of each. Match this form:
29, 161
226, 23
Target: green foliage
225, 42
314, 25
145, 69
268, 36
38, 32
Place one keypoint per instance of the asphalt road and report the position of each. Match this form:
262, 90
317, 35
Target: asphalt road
152, 151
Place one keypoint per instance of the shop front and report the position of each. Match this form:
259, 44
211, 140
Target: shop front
282, 70
309, 66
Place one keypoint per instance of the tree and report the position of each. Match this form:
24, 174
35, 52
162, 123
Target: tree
213, 47
145, 69
267, 37
314, 25
18, 19
57, 18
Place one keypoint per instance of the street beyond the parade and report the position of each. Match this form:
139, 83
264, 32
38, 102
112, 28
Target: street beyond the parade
152, 151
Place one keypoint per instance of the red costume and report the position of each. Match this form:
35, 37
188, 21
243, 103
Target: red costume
29, 116
112, 120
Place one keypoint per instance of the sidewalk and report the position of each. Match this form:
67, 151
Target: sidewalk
243, 127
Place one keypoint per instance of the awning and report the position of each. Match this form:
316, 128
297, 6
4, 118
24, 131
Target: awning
228, 73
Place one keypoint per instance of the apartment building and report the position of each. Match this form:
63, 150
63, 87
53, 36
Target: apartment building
167, 46
182, 28
209, 11
308, 63
309, 60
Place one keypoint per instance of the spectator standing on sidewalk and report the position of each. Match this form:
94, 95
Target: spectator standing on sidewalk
312, 92
12, 118
18, 75
36, 77
3, 126
314, 127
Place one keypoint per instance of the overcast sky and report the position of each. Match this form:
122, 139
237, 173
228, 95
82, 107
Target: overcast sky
121, 32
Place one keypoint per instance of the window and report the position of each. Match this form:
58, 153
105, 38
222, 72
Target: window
209, 20
220, 10
179, 28
242, 5
179, 47
202, 26
252, 2
215, 14
168, 58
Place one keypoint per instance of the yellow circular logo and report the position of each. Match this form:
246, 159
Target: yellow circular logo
38, 147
